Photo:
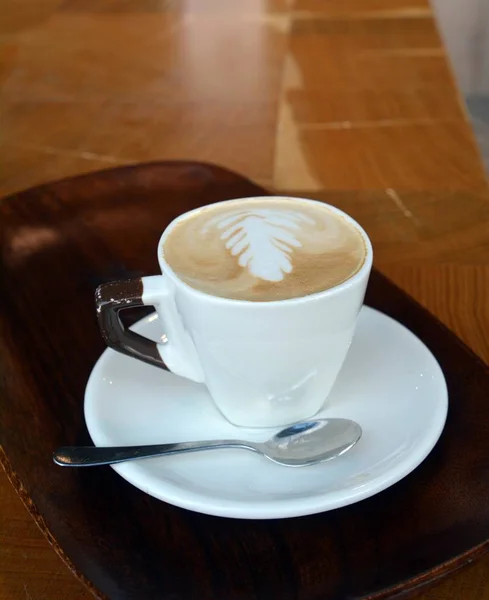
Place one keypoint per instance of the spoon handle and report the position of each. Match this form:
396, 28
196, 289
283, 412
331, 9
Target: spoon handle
94, 456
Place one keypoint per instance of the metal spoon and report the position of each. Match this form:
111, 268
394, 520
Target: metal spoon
300, 445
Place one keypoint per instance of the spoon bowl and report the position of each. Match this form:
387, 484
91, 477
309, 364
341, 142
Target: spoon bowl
300, 445
312, 442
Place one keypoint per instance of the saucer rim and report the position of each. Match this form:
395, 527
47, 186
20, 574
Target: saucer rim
278, 508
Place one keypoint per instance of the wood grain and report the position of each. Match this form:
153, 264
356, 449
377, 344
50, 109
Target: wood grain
379, 114
34, 572
77, 233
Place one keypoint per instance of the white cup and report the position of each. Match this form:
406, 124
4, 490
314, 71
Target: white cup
265, 364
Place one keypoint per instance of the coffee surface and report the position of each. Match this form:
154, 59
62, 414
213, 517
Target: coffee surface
264, 249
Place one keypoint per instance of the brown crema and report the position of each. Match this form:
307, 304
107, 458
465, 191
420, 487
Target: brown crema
264, 249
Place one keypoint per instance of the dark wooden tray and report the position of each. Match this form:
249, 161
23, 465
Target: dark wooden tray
59, 242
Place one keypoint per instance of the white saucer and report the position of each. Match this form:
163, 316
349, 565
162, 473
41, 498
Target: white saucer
390, 383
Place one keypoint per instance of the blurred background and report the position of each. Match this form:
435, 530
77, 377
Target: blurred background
89, 84
464, 26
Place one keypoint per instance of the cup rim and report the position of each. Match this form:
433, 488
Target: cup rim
332, 291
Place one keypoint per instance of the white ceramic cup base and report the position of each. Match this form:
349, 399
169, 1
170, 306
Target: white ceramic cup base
390, 384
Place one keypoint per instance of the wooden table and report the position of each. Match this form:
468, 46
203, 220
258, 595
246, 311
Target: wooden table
319, 98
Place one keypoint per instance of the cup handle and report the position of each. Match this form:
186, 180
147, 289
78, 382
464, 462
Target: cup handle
177, 354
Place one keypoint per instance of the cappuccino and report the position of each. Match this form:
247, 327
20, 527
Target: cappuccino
264, 249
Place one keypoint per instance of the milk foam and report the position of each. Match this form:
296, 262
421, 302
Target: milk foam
264, 239
264, 249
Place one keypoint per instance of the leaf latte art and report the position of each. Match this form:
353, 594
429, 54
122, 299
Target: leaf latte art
264, 249
263, 238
